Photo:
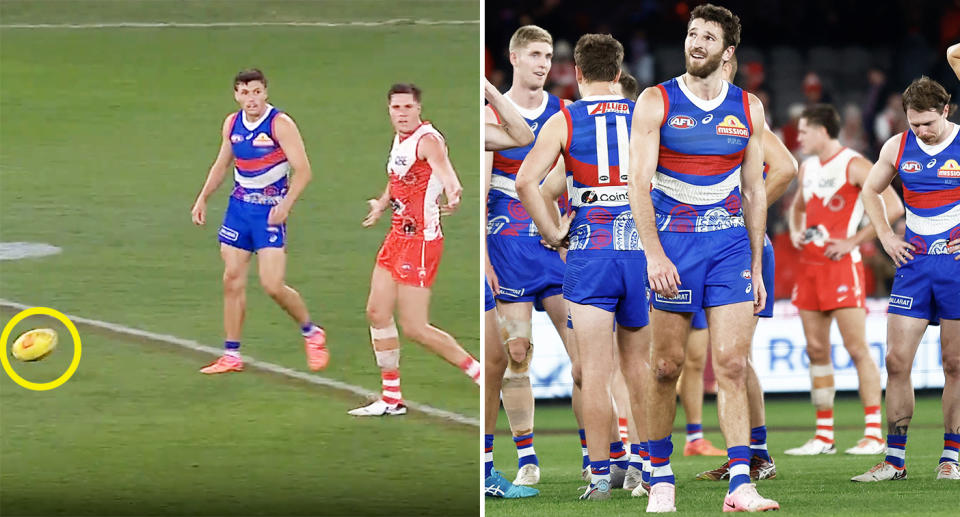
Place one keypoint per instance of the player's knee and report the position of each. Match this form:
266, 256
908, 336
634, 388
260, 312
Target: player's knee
577, 375
898, 364
378, 317
818, 352
273, 288
858, 352
951, 367
667, 369
233, 281
496, 364
732, 367
518, 349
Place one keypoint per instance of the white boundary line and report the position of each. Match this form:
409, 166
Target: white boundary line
198, 25
258, 364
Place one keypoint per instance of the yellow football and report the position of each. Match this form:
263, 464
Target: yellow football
35, 344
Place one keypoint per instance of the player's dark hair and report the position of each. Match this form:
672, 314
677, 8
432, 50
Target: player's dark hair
825, 116
629, 85
248, 75
729, 22
925, 94
404, 88
598, 56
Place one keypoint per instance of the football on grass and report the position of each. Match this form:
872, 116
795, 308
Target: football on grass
35, 344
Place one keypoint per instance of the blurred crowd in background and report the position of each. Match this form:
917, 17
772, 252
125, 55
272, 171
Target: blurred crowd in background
857, 56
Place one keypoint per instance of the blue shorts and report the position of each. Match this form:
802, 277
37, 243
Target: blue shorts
526, 270
927, 287
699, 320
614, 284
245, 227
714, 269
488, 302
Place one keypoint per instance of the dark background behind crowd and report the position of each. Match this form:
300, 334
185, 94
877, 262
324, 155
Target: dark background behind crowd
857, 56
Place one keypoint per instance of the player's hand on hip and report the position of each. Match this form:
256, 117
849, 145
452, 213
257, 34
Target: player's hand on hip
838, 248
898, 249
278, 214
199, 212
376, 209
663, 275
954, 247
560, 235
759, 292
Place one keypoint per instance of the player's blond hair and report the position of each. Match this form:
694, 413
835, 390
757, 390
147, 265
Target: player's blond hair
529, 34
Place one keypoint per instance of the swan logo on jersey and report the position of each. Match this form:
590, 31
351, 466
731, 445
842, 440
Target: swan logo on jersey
951, 169
608, 107
911, 166
262, 140
682, 122
731, 126
836, 203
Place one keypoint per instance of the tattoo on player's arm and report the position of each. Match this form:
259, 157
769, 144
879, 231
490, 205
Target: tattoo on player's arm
899, 427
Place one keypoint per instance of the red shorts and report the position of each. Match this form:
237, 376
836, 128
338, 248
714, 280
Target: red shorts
834, 285
410, 260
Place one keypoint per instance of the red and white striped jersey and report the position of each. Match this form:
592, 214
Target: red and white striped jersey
833, 205
414, 188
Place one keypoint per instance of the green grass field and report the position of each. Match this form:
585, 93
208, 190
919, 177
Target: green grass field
106, 138
804, 485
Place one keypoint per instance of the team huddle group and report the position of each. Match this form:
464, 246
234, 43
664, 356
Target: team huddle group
633, 217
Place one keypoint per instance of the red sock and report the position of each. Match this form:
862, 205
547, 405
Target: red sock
391, 387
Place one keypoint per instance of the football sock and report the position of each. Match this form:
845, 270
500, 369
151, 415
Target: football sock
618, 456
645, 458
391, 387
487, 455
308, 329
599, 471
825, 425
660, 451
694, 432
871, 418
739, 466
232, 348
583, 449
525, 453
636, 461
758, 442
624, 433
951, 444
896, 450
471, 367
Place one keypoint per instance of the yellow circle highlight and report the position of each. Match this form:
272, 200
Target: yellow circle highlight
41, 386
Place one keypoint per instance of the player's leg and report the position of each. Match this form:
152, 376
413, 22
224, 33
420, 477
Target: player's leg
556, 308
761, 463
816, 330
236, 262
385, 340
620, 399
691, 393
634, 353
903, 338
669, 331
852, 323
413, 304
949, 466
593, 327
272, 266
515, 324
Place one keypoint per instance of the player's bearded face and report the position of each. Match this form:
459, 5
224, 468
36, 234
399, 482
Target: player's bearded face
404, 112
703, 48
701, 64
252, 98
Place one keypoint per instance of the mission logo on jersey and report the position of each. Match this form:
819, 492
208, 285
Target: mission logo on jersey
731, 126
951, 169
262, 140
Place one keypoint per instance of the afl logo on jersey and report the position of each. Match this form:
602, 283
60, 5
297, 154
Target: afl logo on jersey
236, 139
951, 169
911, 166
731, 126
682, 122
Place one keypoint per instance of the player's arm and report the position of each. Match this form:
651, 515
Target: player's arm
434, 152
953, 57
796, 219
537, 164
489, 118
511, 131
288, 136
755, 200
644, 153
783, 167
877, 181
859, 169
377, 206
216, 174
553, 186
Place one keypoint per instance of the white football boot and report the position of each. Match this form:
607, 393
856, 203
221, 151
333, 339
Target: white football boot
528, 474
662, 498
867, 446
813, 447
882, 471
948, 470
379, 408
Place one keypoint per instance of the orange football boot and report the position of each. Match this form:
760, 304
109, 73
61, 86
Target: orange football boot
226, 363
702, 447
316, 347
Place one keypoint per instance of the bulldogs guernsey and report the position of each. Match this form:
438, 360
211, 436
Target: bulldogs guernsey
260, 182
928, 286
696, 195
606, 265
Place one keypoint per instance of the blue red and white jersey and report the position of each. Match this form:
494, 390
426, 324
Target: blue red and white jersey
931, 191
596, 156
505, 215
696, 187
262, 170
